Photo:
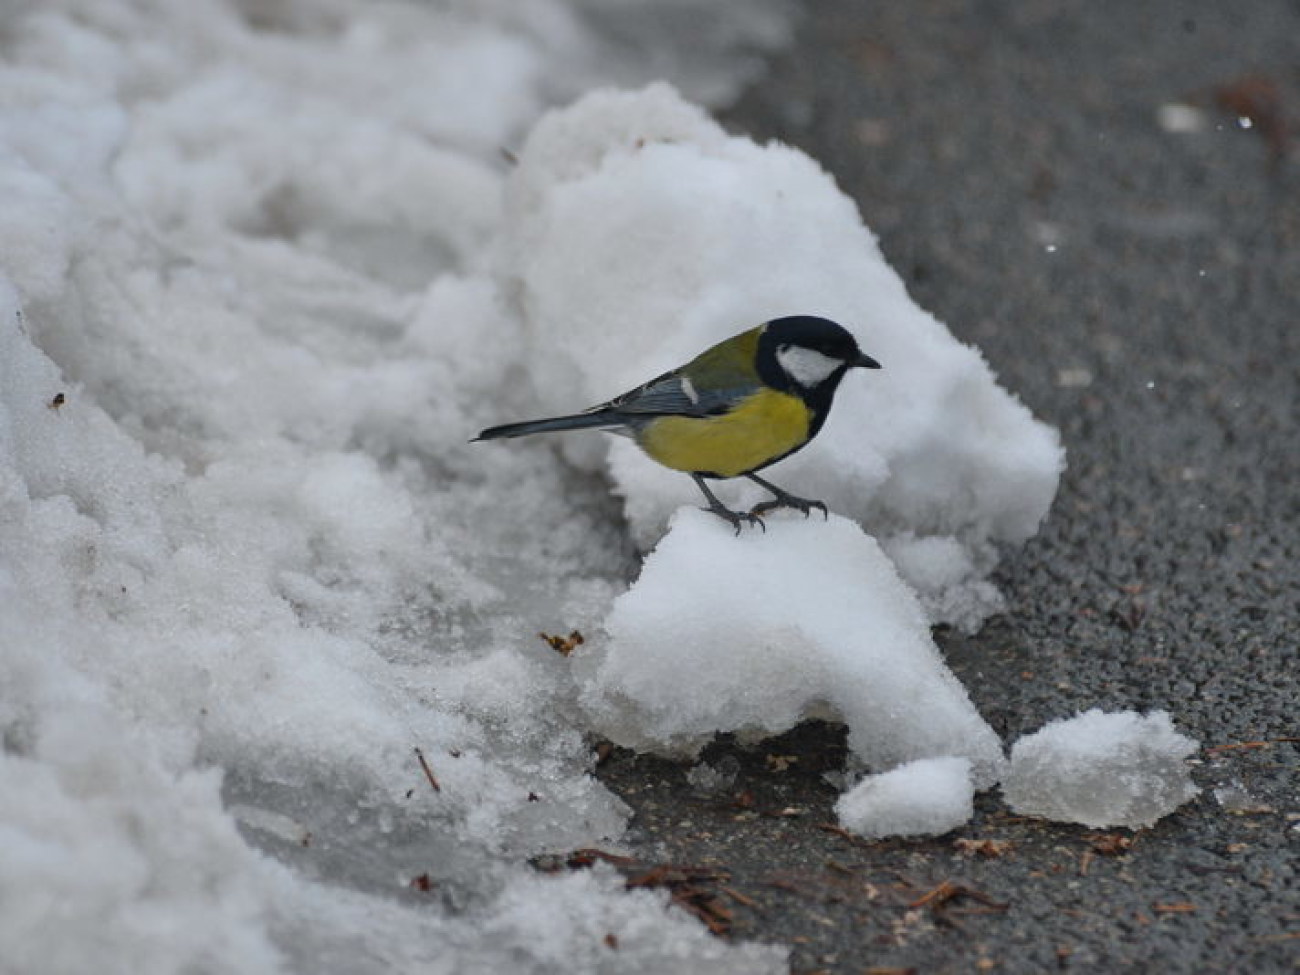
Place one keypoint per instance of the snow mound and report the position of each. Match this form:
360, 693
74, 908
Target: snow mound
927, 797
756, 632
1102, 769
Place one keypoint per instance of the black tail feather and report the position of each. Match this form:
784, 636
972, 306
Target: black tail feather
578, 421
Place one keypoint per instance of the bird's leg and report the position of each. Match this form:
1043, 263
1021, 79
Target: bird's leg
734, 518
783, 499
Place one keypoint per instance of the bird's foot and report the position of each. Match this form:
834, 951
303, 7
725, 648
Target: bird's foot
736, 518
783, 500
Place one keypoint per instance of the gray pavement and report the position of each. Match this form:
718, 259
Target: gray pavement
1140, 289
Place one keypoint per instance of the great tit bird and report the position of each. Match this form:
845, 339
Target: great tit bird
732, 410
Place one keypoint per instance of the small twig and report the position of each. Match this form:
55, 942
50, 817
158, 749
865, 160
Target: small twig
667, 874
428, 772
949, 891
842, 833
589, 855
1085, 861
1265, 743
738, 897
989, 849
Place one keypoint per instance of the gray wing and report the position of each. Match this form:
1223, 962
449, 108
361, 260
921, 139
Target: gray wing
673, 395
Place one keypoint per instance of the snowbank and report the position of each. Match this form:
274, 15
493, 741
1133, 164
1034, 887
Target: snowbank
247, 561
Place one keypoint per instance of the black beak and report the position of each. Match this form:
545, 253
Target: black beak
865, 361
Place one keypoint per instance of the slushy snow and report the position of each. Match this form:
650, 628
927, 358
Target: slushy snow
1102, 769
263, 272
927, 797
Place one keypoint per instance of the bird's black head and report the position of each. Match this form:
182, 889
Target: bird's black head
808, 356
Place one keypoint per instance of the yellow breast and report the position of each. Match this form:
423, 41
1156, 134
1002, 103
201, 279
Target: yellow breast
763, 427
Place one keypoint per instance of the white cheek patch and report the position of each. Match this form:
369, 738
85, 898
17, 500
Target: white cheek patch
807, 367
688, 388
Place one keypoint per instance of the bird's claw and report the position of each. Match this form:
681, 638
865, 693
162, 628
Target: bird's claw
789, 501
737, 518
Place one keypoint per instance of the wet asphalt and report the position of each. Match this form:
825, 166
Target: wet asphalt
1139, 287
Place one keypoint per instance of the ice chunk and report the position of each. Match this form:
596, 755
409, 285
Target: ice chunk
1236, 798
708, 779
1102, 769
545, 924
923, 798
757, 632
